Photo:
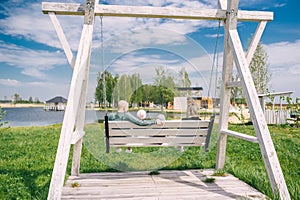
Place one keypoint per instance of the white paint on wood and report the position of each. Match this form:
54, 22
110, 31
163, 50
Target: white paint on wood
186, 184
154, 12
156, 141
274, 94
79, 122
82, 62
173, 133
77, 135
156, 132
262, 132
168, 124
222, 4
77, 149
231, 23
62, 38
240, 135
231, 84
277, 116
255, 40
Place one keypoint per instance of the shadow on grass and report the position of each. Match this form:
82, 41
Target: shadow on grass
24, 184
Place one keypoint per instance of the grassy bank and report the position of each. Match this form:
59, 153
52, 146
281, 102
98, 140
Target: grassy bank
27, 156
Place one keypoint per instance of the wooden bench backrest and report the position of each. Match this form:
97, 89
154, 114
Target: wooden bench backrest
172, 133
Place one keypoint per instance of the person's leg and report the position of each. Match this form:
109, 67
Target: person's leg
128, 150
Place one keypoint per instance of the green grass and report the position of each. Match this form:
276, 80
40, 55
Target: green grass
27, 156
209, 180
220, 172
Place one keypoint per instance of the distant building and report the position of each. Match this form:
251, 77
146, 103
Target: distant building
192, 93
56, 104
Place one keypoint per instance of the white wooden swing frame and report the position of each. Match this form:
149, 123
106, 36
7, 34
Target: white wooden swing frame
233, 53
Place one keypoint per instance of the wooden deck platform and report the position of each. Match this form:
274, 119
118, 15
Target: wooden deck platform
187, 184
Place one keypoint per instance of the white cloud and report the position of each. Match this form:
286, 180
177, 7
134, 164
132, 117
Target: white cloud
33, 63
279, 5
283, 55
213, 35
159, 3
295, 69
44, 90
36, 26
285, 65
16, 83
199, 68
9, 82
30, 23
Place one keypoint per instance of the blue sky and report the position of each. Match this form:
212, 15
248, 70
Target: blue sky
33, 63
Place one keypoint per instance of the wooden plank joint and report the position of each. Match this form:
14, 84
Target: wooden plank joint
76, 136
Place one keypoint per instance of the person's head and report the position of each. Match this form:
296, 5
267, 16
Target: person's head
122, 106
141, 114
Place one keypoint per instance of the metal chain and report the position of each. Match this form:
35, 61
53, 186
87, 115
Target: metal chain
215, 63
102, 64
215, 57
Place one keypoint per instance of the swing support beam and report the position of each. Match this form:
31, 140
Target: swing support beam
154, 12
228, 12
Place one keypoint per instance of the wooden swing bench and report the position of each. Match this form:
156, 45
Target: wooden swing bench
173, 133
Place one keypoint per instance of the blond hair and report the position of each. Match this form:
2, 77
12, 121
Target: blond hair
123, 105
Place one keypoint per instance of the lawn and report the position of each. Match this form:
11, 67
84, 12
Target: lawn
27, 156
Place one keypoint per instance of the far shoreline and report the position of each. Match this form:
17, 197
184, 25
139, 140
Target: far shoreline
21, 105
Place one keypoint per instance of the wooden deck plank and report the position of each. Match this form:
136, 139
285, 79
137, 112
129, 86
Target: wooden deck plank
173, 184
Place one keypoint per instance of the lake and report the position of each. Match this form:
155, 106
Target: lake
39, 117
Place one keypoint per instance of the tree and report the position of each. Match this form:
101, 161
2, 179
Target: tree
259, 68
143, 94
261, 75
236, 92
165, 85
110, 83
124, 88
184, 81
16, 97
136, 83
2, 115
30, 100
37, 100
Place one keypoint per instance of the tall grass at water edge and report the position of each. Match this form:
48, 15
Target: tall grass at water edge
27, 156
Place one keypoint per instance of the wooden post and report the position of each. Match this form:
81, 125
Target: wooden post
77, 84
80, 125
262, 103
62, 38
230, 23
260, 126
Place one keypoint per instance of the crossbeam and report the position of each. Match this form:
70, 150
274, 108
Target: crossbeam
240, 135
154, 12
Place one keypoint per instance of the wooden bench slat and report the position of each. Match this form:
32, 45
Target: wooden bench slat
157, 132
157, 145
146, 141
168, 124
172, 133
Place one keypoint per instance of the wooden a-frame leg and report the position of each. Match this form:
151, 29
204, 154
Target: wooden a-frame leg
261, 129
62, 38
80, 126
231, 23
77, 83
